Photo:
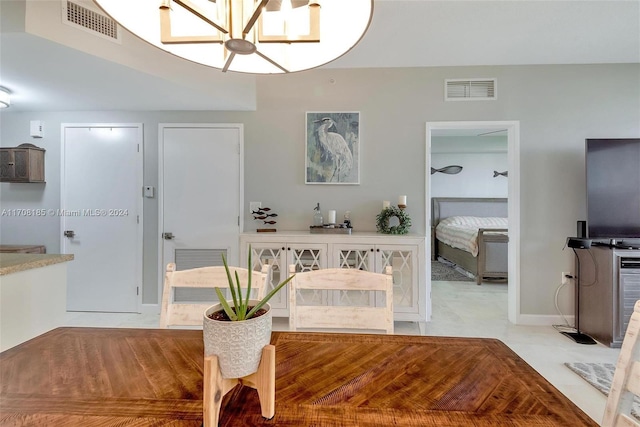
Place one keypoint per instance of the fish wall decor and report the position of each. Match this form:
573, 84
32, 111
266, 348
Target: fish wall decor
449, 170
262, 215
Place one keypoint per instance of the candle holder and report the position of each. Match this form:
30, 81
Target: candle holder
402, 206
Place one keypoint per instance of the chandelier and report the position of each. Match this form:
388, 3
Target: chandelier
250, 36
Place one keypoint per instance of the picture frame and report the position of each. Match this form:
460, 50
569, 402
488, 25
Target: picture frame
332, 148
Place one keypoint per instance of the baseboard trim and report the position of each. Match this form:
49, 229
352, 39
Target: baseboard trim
543, 320
150, 309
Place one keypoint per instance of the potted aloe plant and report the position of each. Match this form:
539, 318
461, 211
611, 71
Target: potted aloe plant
236, 331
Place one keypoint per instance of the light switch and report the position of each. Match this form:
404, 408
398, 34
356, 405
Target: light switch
254, 206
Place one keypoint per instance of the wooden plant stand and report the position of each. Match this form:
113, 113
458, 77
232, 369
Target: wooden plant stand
216, 387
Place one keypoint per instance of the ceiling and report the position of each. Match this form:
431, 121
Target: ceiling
48, 76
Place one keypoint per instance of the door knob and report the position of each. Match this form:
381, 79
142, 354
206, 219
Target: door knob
69, 233
168, 236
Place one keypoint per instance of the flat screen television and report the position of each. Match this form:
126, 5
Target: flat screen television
613, 188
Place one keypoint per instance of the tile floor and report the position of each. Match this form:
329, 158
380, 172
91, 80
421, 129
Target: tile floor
463, 309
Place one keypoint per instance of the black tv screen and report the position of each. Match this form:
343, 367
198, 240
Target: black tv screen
613, 188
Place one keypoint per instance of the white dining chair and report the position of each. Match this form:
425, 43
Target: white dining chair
626, 379
342, 316
189, 313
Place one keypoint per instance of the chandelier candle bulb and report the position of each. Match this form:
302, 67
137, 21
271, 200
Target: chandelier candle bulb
386, 204
331, 217
402, 200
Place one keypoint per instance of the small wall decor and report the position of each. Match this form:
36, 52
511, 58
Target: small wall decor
382, 221
449, 170
496, 174
265, 216
332, 153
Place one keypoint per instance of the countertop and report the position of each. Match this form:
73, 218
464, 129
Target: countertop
303, 233
13, 263
23, 249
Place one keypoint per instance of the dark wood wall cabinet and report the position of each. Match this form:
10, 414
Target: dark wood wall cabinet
24, 163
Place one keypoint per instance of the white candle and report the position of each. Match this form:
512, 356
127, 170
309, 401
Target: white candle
402, 200
331, 217
386, 204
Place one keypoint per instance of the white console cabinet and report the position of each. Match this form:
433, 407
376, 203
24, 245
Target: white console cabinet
366, 251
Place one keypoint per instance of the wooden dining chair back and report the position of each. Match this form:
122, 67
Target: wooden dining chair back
189, 313
626, 379
334, 281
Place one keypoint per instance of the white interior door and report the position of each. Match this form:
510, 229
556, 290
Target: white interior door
100, 216
201, 184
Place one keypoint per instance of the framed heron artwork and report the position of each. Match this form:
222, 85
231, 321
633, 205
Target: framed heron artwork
332, 154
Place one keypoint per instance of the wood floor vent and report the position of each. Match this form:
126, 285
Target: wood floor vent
90, 20
470, 90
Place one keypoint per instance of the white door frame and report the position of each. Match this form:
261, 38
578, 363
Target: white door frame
161, 127
513, 147
139, 183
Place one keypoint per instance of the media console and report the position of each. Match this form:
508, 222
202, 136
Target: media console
609, 280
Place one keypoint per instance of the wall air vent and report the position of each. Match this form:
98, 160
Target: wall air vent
195, 258
470, 90
90, 20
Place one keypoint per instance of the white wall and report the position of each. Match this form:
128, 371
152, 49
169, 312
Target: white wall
479, 157
557, 106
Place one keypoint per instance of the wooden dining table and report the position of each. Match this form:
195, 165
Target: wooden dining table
154, 377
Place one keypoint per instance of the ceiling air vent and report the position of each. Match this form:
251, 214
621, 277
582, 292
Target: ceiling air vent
469, 89
90, 20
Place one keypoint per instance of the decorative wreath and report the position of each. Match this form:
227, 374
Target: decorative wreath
382, 221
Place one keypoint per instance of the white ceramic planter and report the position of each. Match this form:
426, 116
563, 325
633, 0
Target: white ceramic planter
238, 345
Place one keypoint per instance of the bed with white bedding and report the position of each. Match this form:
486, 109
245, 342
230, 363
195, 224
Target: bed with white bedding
472, 233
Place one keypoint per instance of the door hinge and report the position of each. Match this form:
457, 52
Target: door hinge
238, 220
137, 290
138, 219
138, 148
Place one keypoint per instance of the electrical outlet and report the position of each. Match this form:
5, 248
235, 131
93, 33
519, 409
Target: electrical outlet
254, 206
565, 279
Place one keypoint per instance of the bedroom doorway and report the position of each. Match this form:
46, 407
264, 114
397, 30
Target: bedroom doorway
466, 131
